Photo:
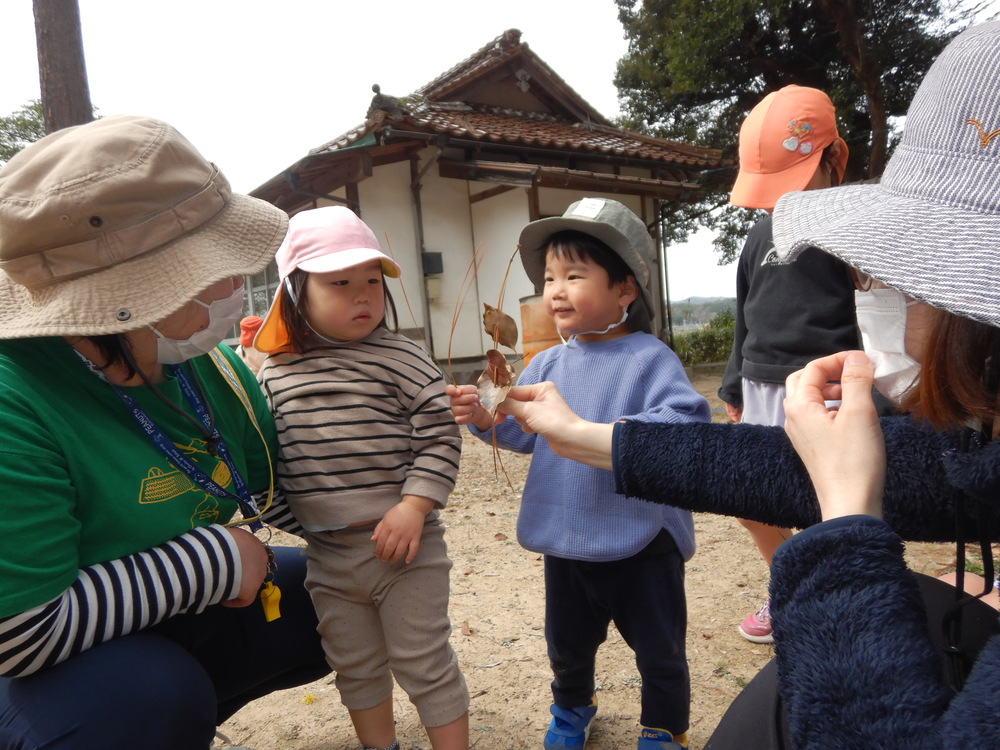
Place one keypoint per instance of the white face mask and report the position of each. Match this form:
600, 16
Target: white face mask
223, 314
882, 320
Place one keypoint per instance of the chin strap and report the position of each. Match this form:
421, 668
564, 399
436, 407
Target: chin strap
611, 327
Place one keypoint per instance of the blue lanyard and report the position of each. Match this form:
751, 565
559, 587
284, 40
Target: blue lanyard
173, 454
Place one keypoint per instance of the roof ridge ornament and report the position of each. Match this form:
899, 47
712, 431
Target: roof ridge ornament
394, 107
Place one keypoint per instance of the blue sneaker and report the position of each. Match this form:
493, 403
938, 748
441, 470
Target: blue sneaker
660, 739
570, 727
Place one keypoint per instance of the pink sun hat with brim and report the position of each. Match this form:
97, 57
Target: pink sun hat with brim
319, 240
781, 145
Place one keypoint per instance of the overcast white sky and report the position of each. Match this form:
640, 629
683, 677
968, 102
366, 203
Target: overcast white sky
255, 84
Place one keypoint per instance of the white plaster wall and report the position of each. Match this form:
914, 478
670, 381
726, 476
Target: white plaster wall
386, 207
457, 229
448, 230
497, 224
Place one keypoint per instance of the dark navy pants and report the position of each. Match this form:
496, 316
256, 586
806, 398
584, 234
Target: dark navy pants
644, 596
168, 687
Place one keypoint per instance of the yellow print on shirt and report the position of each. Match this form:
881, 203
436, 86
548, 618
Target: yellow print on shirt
159, 486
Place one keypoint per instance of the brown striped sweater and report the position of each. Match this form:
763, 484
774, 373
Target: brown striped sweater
359, 425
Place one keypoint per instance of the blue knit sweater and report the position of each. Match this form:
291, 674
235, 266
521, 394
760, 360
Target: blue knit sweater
570, 510
856, 666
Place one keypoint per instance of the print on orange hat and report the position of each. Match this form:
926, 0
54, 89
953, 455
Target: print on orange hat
799, 131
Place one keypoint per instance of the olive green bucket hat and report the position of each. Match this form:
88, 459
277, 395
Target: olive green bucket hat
614, 224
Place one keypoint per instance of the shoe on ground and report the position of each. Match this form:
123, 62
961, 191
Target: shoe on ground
756, 628
660, 739
570, 727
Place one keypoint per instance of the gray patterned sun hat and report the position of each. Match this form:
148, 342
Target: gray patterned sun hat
931, 227
614, 224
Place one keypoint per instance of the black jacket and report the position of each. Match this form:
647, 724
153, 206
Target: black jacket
786, 315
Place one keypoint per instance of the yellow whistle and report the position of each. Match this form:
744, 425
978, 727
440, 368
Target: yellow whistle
270, 596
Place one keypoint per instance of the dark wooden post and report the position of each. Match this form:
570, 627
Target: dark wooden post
62, 74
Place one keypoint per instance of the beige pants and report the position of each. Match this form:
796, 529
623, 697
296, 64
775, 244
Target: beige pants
379, 620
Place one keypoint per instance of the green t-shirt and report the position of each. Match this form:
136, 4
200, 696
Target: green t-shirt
81, 484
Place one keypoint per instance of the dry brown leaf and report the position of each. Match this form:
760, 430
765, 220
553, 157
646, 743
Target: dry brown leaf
466, 630
499, 326
495, 381
501, 537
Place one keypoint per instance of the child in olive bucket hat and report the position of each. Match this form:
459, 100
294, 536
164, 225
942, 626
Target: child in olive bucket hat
607, 557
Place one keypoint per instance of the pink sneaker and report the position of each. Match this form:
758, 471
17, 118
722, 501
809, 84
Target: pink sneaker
757, 627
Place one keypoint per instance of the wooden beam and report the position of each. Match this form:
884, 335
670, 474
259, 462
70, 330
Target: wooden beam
487, 194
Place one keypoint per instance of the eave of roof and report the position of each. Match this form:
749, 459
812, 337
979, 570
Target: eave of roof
425, 117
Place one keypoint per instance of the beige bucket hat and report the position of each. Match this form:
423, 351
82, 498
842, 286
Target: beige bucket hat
113, 225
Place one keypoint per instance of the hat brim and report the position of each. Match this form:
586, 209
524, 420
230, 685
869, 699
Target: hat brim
942, 254
240, 240
762, 189
348, 258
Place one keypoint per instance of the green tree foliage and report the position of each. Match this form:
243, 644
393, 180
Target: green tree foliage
724, 319
694, 69
708, 344
20, 128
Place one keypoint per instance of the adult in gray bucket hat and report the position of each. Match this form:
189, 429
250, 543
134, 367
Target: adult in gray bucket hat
868, 653
132, 612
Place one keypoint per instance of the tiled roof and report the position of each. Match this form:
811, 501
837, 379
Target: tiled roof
500, 52
492, 126
427, 112
569, 127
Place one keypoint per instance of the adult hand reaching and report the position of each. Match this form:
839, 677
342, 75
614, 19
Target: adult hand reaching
842, 448
540, 408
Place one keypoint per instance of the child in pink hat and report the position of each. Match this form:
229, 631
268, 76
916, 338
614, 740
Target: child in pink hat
368, 456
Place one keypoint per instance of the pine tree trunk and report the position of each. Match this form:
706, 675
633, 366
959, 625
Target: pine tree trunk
62, 73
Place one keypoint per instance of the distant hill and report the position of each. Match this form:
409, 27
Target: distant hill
695, 312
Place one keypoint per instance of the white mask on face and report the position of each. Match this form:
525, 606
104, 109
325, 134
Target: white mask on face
223, 314
882, 320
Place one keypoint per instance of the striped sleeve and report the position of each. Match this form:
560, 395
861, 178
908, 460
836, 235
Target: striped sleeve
279, 514
122, 596
436, 443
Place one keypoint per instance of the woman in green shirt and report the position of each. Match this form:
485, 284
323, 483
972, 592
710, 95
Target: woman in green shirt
130, 446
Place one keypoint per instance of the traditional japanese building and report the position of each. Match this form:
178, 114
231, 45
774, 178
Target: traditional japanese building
453, 171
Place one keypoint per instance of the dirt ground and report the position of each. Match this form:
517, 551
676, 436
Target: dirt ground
497, 614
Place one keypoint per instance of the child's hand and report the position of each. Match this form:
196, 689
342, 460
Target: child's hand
465, 406
399, 531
